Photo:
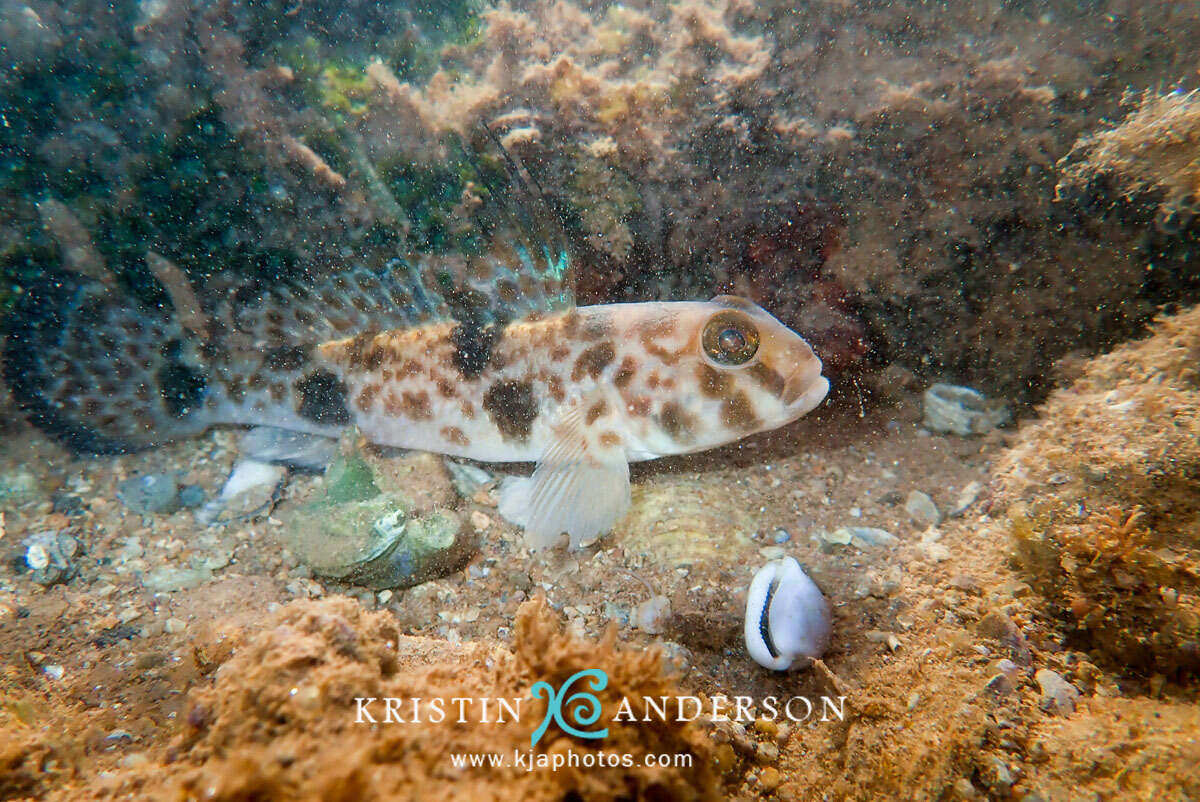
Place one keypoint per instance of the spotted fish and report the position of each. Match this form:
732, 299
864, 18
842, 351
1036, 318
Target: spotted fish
493, 363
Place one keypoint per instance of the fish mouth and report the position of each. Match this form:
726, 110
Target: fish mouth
805, 389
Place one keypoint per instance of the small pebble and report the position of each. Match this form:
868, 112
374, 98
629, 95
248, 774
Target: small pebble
51, 557
1058, 695
150, 494
651, 615
118, 737
921, 509
1000, 685
929, 544
770, 778
165, 579
36, 557
52, 671
174, 625
467, 479
966, 498
867, 536
782, 536
999, 779
766, 726
965, 582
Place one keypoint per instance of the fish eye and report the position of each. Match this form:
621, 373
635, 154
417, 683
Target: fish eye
730, 339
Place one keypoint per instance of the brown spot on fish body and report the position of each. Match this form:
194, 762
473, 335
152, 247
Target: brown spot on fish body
512, 407
411, 367
713, 383
666, 356
467, 408
417, 406
455, 435
737, 412
656, 327
367, 397
769, 378
555, 387
570, 324
593, 361
639, 406
559, 353
364, 353
625, 372
610, 439
677, 422
322, 398
596, 411
446, 388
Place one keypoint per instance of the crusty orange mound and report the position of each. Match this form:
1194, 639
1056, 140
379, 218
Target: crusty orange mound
277, 721
1102, 494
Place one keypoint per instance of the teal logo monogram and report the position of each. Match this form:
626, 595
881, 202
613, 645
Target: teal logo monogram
582, 707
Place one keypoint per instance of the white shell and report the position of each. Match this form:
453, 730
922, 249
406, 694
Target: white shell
796, 620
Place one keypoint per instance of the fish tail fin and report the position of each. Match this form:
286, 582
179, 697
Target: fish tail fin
99, 371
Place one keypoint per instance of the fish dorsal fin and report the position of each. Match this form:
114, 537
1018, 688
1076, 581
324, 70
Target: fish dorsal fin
526, 267
518, 266
344, 304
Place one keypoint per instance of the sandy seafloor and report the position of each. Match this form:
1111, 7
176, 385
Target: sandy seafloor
919, 635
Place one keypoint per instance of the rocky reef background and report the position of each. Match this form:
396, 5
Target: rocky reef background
947, 187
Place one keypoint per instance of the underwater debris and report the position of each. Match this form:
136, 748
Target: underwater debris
250, 489
52, 557
962, 411
361, 534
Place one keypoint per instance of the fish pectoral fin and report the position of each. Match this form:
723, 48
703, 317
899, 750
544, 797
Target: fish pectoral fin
578, 487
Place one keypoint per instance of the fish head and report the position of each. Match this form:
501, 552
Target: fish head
737, 370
